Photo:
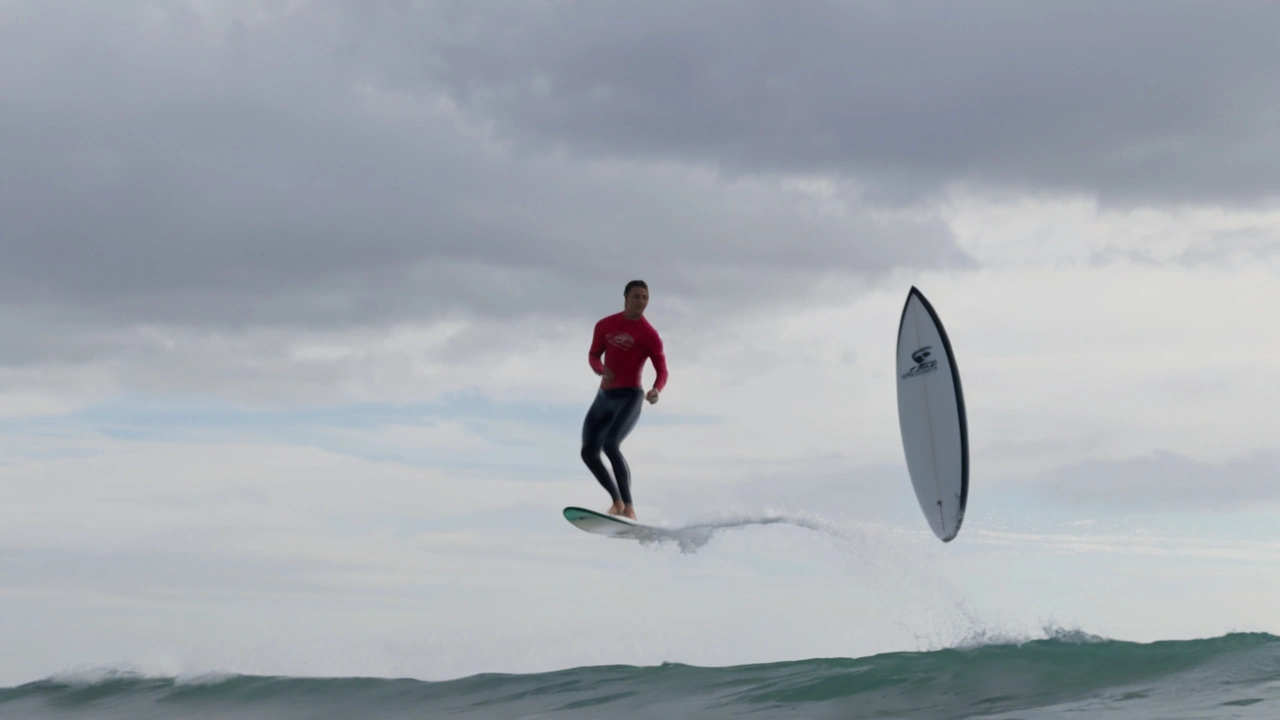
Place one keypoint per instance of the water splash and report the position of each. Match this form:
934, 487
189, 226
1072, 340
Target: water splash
690, 538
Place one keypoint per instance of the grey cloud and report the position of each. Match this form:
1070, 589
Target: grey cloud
171, 573
187, 199
1167, 481
308, 171
1138, 102
1250, 245
1225, 248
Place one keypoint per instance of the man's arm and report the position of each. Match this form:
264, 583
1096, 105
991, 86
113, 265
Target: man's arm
597, 351
657, 355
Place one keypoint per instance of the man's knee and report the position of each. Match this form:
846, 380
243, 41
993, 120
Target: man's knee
590, 452
612, 449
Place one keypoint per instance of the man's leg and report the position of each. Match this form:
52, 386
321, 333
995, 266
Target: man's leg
624, 420
593, 426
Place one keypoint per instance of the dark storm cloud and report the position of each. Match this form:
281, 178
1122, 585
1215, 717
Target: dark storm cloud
304, 167
1155, 102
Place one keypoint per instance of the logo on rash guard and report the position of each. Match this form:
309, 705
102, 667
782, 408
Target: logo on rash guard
621, 339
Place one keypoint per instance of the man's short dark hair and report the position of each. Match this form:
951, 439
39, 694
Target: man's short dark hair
634, 283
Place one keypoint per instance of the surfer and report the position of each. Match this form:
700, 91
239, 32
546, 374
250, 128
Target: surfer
626, 340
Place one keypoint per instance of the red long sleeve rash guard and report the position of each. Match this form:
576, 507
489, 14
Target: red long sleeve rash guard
626, 344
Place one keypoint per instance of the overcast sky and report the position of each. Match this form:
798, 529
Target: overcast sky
295, 300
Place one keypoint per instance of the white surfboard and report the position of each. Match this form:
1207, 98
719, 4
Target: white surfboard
931, 416
612, 525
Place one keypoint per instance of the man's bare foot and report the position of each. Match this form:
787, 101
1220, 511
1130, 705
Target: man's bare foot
616, 508
629, 512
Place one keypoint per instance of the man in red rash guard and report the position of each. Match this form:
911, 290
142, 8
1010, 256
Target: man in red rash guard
626, 340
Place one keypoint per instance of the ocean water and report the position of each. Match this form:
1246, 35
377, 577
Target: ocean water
1071, 675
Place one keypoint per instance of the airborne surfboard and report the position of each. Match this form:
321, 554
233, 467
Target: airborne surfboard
931, 417
612, 525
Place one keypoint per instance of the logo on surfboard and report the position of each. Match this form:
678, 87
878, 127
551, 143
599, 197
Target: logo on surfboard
923, 363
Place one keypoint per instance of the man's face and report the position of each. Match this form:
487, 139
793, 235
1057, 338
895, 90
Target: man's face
637, 300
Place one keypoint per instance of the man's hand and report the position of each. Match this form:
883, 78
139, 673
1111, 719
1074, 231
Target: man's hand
652, 396
608, 376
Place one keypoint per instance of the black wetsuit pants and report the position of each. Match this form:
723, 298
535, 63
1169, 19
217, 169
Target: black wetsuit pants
609, 420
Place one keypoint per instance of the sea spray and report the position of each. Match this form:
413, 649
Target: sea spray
905, 570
